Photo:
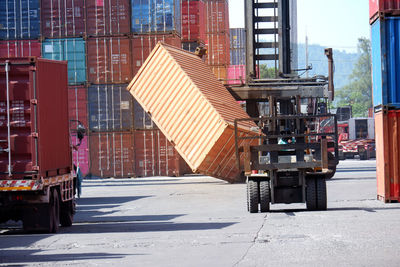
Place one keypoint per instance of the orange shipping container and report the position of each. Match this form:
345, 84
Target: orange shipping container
220, 72
387, 138
192, 108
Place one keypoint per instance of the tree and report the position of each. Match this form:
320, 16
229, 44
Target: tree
266, 72
358, 93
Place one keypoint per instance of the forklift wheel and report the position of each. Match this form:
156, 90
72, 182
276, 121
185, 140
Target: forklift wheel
264, 196
252, 196
321, 193
311, 194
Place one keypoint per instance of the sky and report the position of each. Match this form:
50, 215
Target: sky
331, 23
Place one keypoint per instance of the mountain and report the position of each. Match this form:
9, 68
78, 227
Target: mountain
344, 63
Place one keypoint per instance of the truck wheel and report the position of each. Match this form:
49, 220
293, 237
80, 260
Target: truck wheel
252, 196
265, 198
311, 194
67, 213
54, 211
321, 193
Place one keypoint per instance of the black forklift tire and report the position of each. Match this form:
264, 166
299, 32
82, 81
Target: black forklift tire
321, 193
67, 213
252, 196
265, 198
331, 166
311, 194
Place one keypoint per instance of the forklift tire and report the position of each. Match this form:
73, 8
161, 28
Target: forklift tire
252, 196
321, 193
265, 198
311, 194
331, 166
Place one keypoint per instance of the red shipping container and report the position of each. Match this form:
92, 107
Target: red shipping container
388, 7
20, 48
111, 154
217, 16
109, 60
387, 137
104, 17
61, 19
77, 104
236, 74
39, 135
218, 47
156, 156
80, 156
193, 21
142, 45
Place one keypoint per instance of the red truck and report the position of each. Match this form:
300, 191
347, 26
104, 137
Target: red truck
36, 172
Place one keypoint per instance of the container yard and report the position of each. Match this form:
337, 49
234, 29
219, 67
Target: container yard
138, 129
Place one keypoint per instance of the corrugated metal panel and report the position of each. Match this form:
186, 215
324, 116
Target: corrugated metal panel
159, 16
142, 120
20, 48
385, 6
238, 38
71, 49
192, 108
385, 42
155, 156
236, 74
142, 45
190, 46
220, 73
108, 17
63, 18
80, 155
193, 21
217, 16
19, 19
109, 60
77, 104
45, 84
387, 137
111, 154
110, 108
218, 49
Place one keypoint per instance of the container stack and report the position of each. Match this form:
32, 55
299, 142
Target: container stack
385, 43
193, 24
237, 69
217, 37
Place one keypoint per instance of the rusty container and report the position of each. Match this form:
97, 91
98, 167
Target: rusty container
61, 19
387, 138
192, 109
77, 104
109, 60
143, 44
156, 156
106, 18
111, 154
193, 21
20, 48
220, 72
383, 7
38, 136
217, 45
217, 16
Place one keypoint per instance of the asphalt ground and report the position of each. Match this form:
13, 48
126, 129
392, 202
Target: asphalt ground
202, 221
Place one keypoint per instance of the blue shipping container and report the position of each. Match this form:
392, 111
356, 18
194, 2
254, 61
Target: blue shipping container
142, 120
238, 38
110, 108
19, 19
385, 45
238, 56
70, 49
156, 16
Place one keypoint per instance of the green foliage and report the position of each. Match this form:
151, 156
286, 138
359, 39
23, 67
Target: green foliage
266, 72
358, 92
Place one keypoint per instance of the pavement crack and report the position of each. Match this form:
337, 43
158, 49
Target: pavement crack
253, 242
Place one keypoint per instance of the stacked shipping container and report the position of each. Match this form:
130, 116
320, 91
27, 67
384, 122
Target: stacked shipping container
385, 42
237, 70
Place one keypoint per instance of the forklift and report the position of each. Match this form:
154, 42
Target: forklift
296, 150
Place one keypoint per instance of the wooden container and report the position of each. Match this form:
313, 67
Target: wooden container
192, 109
387, 138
